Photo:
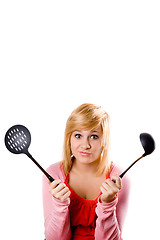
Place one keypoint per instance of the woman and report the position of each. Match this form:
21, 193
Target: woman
83, 202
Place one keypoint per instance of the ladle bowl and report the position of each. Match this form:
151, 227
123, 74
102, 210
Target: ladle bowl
148, 143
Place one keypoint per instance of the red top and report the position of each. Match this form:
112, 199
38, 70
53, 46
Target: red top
82, 215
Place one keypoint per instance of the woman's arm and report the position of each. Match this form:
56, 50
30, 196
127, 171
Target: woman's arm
107, 227
123, 197
111, 216
56, 214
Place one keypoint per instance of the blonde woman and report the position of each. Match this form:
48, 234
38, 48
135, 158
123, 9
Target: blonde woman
83, 202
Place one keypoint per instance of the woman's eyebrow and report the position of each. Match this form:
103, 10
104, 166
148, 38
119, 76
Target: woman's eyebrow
97, 131
92, 131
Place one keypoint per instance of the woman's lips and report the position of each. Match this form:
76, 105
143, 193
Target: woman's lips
84, 153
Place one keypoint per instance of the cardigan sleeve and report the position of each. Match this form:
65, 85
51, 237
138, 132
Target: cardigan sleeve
56, 212
107, 227
111, 216
123, 197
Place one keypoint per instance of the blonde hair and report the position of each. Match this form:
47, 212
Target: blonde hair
87, 116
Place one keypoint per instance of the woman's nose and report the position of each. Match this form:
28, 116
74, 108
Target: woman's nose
86, 143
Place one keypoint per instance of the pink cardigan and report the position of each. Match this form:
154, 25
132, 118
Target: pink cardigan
57, 217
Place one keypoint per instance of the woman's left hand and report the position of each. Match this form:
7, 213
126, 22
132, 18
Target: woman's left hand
109, 189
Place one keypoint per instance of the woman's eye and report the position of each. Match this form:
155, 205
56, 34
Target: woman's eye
94, 136
78, 135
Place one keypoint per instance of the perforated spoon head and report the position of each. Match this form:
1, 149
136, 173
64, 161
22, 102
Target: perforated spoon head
18, 139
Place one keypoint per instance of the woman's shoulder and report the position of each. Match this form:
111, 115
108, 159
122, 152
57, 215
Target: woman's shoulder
56, 171
115, 169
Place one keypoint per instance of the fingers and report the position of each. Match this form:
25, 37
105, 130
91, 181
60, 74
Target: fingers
118, 181
109, 189
54, 183
59, 190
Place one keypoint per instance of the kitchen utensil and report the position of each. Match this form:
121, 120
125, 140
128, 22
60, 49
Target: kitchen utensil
17, 140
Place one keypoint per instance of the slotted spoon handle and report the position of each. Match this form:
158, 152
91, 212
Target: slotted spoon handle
40, 167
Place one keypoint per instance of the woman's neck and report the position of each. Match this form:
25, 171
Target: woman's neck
85, 169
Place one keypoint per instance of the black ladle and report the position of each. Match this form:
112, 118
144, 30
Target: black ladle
148, 144
17, 140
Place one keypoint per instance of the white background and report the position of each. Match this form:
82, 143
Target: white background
56, 55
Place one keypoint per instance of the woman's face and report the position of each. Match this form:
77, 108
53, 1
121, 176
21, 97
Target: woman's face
86, 145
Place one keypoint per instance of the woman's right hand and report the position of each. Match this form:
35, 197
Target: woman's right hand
59, 190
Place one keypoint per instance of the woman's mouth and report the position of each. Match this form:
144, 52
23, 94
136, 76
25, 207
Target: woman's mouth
84, 153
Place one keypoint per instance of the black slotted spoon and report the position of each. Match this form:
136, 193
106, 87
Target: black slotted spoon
17, 140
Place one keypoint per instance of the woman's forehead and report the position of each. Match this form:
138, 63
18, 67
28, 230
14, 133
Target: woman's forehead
97, 129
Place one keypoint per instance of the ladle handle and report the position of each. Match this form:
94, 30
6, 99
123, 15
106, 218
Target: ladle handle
38, 165
123, 173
